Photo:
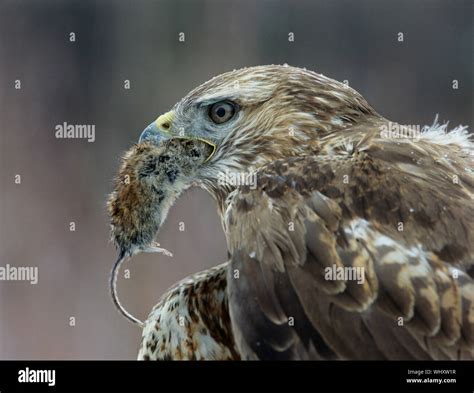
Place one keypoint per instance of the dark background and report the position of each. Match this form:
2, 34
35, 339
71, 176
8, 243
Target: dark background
82, 82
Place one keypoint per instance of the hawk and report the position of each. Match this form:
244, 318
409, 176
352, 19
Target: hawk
345, 240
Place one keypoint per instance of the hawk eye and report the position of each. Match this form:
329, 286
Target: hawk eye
223, 111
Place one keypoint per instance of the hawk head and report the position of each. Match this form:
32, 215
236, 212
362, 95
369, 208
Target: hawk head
256, 115
246, 118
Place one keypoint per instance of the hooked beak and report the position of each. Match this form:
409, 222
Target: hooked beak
159, 131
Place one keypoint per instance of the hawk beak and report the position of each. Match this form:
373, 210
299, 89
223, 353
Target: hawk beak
159, 131
213, 145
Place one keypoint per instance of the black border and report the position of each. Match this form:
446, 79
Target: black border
334, 376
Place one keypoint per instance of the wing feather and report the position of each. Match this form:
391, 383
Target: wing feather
408, 232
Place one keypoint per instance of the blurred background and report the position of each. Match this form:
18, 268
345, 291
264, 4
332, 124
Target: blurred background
82, 82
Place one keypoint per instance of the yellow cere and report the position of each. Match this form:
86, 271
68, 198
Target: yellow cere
164, 121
